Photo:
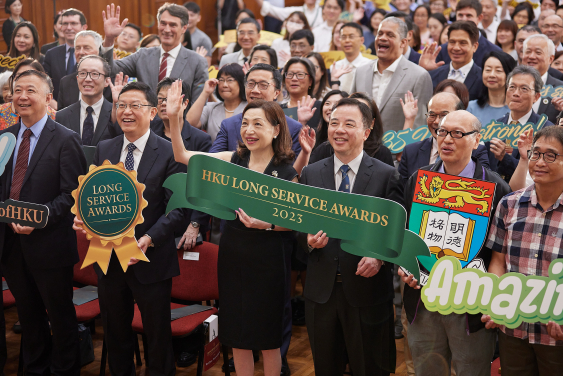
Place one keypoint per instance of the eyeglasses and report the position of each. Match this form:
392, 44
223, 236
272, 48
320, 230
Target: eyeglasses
73, 24
132, 106
246, 34
548, 156
299, 47
161, 100
551, 26
93, 75
348, 37
228, 81
300, 75
455, 134
523, 89
262, 85
433, 116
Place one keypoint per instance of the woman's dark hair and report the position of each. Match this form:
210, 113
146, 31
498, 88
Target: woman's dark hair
148, 39
55, 24
282, 143
332, 45
310, 71
167, 82
459, 88
444, 30
8, 5
235, 71
440, 18
270, 51
35, 50
24, 63
422, 6
376, 11
322, 129
303, 19
553, 133
416, 37
322, 67
525, 6
373, 142
508, 64
247, 11
507, 25
188, 40
150, 95
557, 55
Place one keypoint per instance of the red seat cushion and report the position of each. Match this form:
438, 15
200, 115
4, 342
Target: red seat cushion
87, 311
180, 327
9, 299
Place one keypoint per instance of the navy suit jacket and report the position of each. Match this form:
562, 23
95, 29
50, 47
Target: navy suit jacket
545, 105
156, 164
473, 81
55, 66
229, 134
52, 174
508, 164
414, 56
484, 48
417, 155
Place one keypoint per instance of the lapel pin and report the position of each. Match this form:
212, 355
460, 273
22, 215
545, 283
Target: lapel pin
275, 173
545, 101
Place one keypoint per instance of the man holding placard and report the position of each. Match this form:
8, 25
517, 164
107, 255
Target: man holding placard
526, 236
437, 341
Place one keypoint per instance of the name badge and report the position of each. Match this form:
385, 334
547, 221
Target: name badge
194, 256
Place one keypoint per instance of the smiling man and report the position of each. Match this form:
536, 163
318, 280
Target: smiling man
248, 34
552, 27
391, 76
352, 39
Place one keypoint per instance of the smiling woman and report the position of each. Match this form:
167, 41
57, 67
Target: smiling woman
14, 9
25, 41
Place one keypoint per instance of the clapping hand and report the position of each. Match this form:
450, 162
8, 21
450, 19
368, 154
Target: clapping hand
112, 27
410, 106
305, 109
120, 81
525, 143
337, 72
429, 55
307, 139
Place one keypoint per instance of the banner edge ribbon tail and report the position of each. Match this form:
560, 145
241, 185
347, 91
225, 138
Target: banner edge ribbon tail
97, 253
127, 249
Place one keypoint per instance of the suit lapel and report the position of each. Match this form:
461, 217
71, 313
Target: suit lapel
472, 77
75, 118
367, 84
149, 157
103, 120
154, 61
423, 155
180, 63
44, 140
7, 175
327, 174
364, 175
396, 79
115, 152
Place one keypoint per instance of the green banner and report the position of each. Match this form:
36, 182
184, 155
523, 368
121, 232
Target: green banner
509, 300
548, 91
368, 226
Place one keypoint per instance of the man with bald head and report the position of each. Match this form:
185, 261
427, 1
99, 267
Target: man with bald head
552, 26
437, 340
543, 15
425, 152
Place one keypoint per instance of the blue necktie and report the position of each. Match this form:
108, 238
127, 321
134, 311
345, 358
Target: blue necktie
88, 128
129, 160
71, 62
345, 185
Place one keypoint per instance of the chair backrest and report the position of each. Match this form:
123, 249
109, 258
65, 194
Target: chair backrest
86, 276
198, 279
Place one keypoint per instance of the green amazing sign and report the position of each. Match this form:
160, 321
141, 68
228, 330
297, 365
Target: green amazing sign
396, 141
509, 300
368, 226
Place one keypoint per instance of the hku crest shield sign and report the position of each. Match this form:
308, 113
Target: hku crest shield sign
451, 214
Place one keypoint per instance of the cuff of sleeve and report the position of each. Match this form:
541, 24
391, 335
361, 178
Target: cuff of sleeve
266, 6
106, 49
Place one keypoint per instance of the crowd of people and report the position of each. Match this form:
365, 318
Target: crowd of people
148, 101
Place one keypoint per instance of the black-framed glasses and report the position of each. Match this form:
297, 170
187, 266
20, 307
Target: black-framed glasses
262, 85
161, 100
548, 156
432, 115
455, 134
133, 106
93, 75
300, 76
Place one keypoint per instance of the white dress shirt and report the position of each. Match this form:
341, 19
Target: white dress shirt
381, 80
172, 55
323, 37
97, 107
138, 152
463, 70
314, 17
523, 120
352, 172
491, 30
347, 80
434, 152
536, 105
67, 55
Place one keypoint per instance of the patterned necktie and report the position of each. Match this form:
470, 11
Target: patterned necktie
21, 166
163, 67
129, 160
88, 128
345, 185
514, 122
70, 63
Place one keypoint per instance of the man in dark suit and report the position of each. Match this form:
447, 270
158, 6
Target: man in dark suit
87, 42
148, 284
462, 43
348, 306
171, 59
90, 117
425, 152
524, 84
60, 61
38, 263
470, 10
58, 32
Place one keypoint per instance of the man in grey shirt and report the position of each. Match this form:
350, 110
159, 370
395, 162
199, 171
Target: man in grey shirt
199, 38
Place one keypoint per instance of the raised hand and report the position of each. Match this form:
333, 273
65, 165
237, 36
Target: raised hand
120, 81
337, 72
305, 109
174, 100
201, 51
429, 55
112, 27
284, 55
410, 106
358, 14
210, 86
525, 143
245, 68
307, 139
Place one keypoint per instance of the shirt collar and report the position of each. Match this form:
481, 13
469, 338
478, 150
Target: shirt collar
173, 52
140, 143
465, 69
391, 68
529, 195
544, 77
36, 128
97, 107
408, 53
523, 120
467, 172
68, 47
354, 163
357, 61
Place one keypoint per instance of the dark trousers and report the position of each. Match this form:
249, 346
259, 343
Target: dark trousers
38, 291
287, 315
520, 358
365, 333
3, 348
118, 292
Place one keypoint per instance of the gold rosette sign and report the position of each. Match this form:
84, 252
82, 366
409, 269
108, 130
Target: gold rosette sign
109, 201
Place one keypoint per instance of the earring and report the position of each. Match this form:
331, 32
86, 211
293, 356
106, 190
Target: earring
275, 137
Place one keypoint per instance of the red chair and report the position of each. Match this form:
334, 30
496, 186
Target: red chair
197, 282
9, 299
86, 276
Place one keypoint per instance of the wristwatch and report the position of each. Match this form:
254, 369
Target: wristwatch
195, 224
271, 228
148, 236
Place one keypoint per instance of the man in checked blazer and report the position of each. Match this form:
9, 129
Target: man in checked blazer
171, 59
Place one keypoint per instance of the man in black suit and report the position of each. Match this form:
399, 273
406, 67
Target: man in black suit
86, 43
472, 11
348, 306
463, 39
60, 61
90, 117
38, 263
58, 32
148, 284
